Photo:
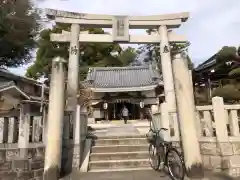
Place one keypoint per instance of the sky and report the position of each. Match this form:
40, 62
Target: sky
212, 23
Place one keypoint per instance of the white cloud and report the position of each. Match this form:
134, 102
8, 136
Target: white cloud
212, 25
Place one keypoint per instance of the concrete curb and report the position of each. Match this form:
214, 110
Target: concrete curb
86, 153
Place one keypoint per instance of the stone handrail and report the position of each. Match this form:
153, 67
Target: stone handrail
213, 122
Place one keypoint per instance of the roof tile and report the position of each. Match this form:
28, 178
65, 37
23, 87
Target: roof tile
123, 77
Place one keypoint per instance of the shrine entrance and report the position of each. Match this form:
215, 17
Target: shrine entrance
163, 37
115, 110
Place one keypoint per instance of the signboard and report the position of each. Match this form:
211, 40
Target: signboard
120, 29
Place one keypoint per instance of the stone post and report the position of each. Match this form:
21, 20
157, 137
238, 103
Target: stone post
73, 69
77, 138
34, 129
24, 129
37, 120
66, 160
187, 117
3, 129
80, 126
165, 121
167, 68
66, 128
72, 86
12, 127
55, 121
44, 124
219, 114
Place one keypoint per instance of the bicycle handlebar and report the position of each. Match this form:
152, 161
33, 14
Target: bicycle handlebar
161, 129
164, 129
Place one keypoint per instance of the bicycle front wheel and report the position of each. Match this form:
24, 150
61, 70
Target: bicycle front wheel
175, 164
154, 158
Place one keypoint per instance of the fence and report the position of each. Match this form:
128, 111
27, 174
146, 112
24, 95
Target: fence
10, 126
36, 130
213, 122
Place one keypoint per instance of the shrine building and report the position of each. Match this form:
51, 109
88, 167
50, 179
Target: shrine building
136, 87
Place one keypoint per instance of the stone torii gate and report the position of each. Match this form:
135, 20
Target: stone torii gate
120, 26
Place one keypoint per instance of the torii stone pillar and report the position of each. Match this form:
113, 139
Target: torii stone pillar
73, 69
187, 117
167, 68
55, 121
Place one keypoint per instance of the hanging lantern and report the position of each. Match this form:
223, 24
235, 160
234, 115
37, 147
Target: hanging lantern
141, 104
105, 105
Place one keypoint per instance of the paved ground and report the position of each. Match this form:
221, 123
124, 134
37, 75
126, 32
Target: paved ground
117, 130
128, 175
140, 175
123, 130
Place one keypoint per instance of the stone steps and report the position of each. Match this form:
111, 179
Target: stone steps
119, 153
122, 169
117, 137
119, 164
119, 148
123, 141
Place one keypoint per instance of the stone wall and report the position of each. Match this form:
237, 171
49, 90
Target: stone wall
13, 166
219, 157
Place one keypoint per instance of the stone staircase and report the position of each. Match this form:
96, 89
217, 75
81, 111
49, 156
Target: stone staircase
119, 153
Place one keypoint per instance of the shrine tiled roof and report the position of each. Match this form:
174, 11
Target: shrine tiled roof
123, 77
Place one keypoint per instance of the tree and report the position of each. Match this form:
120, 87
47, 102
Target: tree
230, 93
152, 51
228, 65
127, 56
228, 54
18, 28
228, 58
92, 54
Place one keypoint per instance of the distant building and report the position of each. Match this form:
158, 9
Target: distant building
15, 89
114, 87
211, 74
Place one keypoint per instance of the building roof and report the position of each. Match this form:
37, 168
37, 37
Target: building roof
207, 64
8, 84
6, 73
120, 79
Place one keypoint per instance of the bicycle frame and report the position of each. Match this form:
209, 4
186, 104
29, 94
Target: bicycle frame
161, 144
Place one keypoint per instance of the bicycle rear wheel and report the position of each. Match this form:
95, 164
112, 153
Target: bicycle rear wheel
175, 164
154, 158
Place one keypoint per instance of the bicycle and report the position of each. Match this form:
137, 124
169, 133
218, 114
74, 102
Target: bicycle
162, 151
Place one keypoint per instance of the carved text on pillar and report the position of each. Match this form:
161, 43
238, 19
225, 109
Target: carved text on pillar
165, 49
73, 50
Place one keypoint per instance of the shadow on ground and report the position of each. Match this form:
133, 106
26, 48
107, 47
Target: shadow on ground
139, 175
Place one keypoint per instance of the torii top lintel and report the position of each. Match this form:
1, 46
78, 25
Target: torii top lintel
171, 20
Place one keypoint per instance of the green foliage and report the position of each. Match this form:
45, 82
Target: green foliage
226, 54
235, 72
92, 54
153, 51
127, 56
229, 92
18, 28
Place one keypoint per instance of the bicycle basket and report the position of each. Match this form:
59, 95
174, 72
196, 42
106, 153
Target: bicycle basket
151, 136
